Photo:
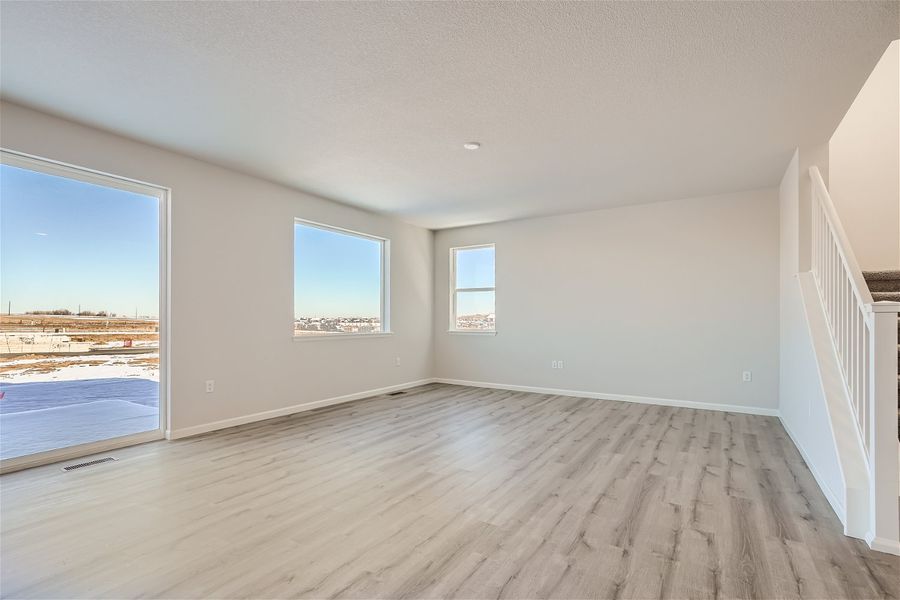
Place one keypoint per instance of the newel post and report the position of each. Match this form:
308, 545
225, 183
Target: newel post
884, 530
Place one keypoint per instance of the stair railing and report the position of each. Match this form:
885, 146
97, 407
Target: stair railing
845, 297
864, 335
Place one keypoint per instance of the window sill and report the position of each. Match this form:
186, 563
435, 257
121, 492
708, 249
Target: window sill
465, 332
340, 336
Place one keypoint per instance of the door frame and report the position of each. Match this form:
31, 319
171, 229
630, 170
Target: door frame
163, 195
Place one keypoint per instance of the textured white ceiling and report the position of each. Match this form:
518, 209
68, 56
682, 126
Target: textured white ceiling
578, 105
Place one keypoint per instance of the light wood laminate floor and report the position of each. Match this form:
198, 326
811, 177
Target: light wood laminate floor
444, 491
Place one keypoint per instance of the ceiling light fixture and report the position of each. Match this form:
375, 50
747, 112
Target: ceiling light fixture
472, 145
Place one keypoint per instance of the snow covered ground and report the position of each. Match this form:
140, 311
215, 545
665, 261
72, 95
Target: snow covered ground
73, 368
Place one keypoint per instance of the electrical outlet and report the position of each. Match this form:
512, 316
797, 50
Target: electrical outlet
554, 364
397, 362
559, 364
747, 376
210, 386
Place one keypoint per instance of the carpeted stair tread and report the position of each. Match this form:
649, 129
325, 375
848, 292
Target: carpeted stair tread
880, 275
884, 285
883, 281
875, 275
886, 296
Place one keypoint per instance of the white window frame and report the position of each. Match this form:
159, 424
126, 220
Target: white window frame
385, 299
163, 195
454, 291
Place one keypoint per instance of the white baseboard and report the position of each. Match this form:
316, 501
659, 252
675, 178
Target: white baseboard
835, 500
883, 545
750, 410
174, 434
184, 432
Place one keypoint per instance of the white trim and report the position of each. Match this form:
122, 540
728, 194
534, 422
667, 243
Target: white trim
883, 306
385, 269
883, 545
454, 291
165, 314
472, 331
297, 408
326, 335
39, 459
386, 286
474, 246
336, 229
289, 410
834, 499
736, 408
22, 160
163, 196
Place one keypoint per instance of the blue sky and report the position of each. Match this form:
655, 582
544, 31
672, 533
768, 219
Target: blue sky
65, 242
475, 269
339, 275
335, 275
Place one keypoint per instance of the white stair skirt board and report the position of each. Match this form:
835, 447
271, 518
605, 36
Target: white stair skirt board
736, 408
174, 434
33, 431
835, 497
853, 510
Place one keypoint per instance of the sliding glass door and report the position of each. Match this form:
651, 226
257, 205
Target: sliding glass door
81, 284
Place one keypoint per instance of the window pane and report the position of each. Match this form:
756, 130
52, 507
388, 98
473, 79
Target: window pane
475, 310
79, 264
475, 268
337, 282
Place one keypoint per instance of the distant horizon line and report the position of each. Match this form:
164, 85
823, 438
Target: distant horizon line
74, 314
296, 318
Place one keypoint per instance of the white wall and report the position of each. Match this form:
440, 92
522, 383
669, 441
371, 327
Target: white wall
801, 397
864, 156
670, 300
232, 281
